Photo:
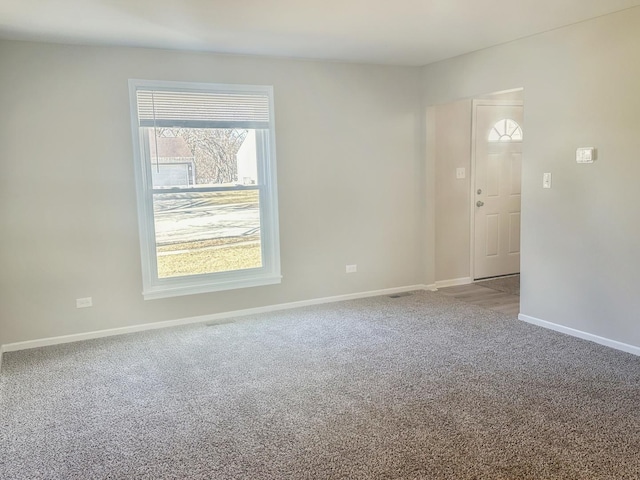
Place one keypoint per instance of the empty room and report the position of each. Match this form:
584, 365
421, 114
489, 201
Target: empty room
319, 240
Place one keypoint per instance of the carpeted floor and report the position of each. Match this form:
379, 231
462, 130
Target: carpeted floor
416, 387
510, 284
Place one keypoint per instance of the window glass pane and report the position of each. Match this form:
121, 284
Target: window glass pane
506, 130
207, 232
191, 157
494, 135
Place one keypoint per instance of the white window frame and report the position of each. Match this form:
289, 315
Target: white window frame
269, 272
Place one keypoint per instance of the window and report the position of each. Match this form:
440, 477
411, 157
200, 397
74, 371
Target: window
206, 186
506, 130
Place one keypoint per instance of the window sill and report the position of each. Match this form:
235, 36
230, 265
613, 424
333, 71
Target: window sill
177, 291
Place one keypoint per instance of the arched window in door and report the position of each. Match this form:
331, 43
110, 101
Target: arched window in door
506, 130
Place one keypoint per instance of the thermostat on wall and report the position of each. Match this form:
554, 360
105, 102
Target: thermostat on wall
585, 154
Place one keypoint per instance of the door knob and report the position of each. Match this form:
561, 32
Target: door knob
479, 203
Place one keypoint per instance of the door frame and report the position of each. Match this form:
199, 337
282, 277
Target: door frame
472, 174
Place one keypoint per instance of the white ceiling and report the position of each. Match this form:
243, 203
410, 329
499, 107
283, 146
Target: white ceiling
400, 32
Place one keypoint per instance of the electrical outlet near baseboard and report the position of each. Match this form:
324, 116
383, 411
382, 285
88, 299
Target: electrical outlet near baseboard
351, 268
84, 302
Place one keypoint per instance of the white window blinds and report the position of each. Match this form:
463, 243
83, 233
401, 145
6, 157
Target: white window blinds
192, 109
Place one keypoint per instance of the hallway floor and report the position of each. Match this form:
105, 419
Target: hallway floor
498, 294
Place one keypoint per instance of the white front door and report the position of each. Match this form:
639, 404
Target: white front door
498, 165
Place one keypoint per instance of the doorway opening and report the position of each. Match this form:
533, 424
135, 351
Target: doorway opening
476, 144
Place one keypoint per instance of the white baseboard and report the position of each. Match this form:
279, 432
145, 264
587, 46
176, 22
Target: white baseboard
44, 342
454, 282
580, 334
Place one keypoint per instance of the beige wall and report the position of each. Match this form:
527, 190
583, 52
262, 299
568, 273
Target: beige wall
350, 177
580, 251
354, 186
453, 150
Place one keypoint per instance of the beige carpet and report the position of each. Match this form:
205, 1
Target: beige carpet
416, 387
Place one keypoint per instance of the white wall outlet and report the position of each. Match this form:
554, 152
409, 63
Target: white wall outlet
352, 268
461, 172
546, 180
84, 302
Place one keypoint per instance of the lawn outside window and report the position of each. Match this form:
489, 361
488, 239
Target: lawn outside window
206, 186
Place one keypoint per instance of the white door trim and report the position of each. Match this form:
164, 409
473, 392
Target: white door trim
472, 194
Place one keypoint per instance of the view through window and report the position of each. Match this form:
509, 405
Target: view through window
205, 199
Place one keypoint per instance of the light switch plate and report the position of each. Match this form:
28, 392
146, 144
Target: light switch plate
546, 180
586, 155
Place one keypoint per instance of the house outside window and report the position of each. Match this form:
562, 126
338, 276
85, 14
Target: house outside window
206, 186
